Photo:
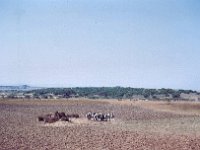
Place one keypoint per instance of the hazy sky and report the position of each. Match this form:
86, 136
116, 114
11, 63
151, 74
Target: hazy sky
137, 43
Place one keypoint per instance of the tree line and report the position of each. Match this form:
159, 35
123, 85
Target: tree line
110, 92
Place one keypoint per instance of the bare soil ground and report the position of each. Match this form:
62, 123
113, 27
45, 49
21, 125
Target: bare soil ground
137, 125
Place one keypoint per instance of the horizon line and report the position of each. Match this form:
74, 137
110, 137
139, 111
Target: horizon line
54, 86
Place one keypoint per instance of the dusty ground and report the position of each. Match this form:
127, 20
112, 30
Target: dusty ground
137, 125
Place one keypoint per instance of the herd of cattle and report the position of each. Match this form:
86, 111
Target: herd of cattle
99, 116
51, 118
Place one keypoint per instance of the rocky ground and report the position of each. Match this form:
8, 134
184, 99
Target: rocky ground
134, 126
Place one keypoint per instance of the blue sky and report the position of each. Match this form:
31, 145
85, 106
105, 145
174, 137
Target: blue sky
137, 43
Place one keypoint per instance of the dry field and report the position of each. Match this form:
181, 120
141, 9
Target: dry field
137, 125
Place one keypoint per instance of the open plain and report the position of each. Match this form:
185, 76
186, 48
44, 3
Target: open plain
137, 125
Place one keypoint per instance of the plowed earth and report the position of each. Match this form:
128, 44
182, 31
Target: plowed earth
134, 126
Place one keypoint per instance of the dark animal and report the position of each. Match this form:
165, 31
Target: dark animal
73, 115
59, 114
42, 118
64, 118
50, 118
62, 114
56, 115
